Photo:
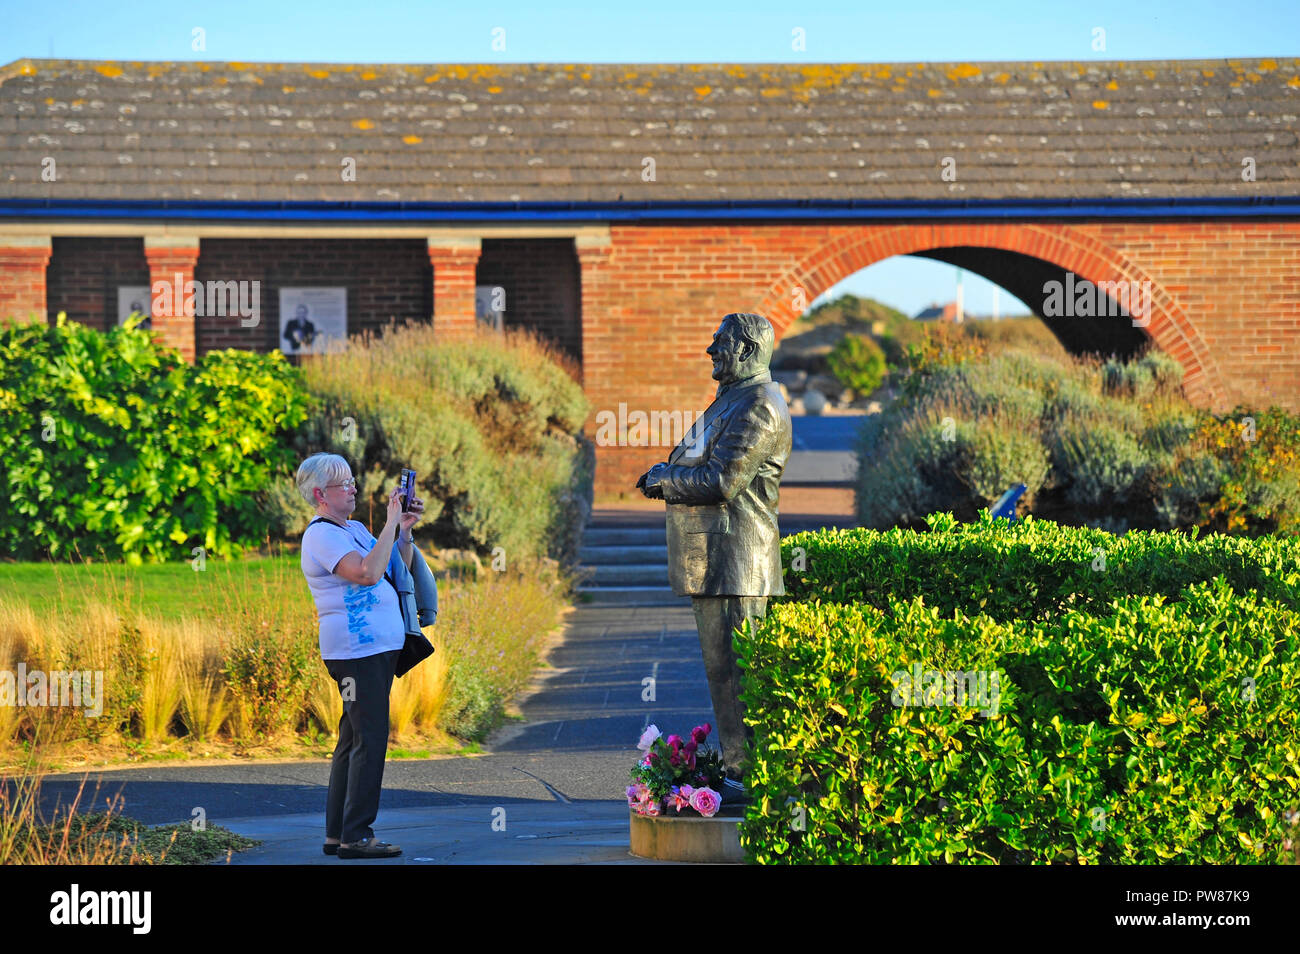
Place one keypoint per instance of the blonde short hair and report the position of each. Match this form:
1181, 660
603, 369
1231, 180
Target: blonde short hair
319, 470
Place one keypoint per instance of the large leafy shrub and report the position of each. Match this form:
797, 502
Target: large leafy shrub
112, 443
858, 362
1256, 460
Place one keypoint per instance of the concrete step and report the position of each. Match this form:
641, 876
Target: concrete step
603, 556
632, 596
633, 574
596, 536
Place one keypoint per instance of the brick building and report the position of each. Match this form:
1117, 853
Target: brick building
945, 312
623, 209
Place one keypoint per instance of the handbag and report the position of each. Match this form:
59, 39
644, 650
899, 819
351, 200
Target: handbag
416, 648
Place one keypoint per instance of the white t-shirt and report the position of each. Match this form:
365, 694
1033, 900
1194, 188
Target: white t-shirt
355, 621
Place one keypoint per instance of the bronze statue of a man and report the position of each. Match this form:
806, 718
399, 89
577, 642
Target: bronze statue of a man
721, 485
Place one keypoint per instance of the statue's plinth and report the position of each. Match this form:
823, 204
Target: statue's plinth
674, 837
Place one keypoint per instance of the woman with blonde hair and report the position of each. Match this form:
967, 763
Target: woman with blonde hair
362, 631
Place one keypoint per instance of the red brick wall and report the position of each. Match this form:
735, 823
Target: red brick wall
540, 277
385, 278
1238, 283
84, 274
1227, 301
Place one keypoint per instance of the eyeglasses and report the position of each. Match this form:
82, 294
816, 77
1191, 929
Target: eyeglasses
349, 484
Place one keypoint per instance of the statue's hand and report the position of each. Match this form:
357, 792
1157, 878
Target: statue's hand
649, 482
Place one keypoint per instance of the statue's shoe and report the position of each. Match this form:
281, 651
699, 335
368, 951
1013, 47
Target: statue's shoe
733, 793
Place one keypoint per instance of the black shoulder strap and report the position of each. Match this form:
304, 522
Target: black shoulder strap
326, 520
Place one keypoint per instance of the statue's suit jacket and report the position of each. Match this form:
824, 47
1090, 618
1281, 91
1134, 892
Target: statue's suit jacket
721, 486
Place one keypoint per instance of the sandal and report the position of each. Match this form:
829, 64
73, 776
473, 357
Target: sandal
331, 847
369, 848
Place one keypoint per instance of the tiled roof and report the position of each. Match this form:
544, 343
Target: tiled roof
474, 133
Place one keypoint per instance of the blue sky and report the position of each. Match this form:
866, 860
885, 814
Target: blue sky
663, 31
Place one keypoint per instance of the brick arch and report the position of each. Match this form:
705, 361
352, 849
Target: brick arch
839, 257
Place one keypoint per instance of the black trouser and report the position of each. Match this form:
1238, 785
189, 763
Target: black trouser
357, 773
715, 618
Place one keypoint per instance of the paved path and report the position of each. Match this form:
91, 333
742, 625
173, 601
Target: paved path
555, 782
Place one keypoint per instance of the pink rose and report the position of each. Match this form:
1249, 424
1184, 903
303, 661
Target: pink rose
648, 738
706, 801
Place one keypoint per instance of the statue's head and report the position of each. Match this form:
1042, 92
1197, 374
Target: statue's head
742, 346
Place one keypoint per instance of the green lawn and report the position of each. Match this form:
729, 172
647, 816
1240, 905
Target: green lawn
166, 590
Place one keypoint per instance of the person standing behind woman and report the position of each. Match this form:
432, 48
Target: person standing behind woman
361, 634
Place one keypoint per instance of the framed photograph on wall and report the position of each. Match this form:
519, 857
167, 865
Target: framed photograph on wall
313, 320
133, 298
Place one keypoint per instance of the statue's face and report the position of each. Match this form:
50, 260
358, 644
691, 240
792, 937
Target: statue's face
729, 352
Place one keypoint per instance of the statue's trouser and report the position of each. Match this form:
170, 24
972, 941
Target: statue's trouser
715, 618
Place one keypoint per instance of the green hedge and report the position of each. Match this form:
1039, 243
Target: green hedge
1027, 570
1144, 706
111, 442
1136, 736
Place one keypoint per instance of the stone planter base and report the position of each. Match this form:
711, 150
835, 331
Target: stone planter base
713, 840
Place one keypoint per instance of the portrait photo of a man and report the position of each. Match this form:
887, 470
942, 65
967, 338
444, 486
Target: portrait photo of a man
299, 333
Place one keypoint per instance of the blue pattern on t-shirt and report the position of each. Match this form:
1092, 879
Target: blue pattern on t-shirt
359, 600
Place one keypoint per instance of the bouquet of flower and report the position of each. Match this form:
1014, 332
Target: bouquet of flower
676, 773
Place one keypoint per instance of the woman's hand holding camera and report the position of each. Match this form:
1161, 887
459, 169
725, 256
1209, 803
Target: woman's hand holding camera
412, 516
